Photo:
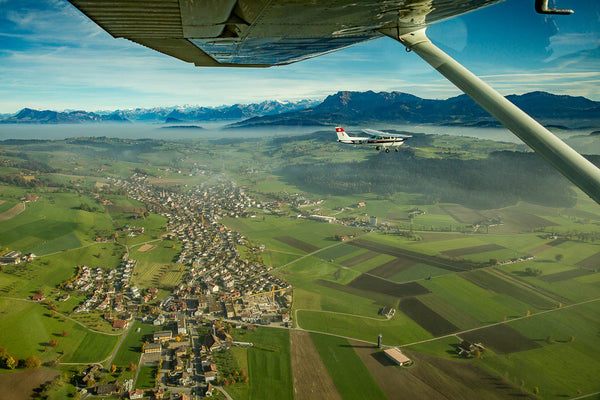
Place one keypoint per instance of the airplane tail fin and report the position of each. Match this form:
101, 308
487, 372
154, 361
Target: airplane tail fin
341, 133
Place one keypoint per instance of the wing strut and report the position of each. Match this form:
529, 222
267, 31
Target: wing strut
567, 161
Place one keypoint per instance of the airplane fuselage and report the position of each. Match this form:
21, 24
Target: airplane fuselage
379, 140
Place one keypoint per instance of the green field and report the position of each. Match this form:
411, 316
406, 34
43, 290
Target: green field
53, 223
146, 377
350, 376
131, 348
269, 365
27, 328
262, 231
569, 367
398, 330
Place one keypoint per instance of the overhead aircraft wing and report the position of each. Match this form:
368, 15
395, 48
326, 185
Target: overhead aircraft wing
263, 32
379, 133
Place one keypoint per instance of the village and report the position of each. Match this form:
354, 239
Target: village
219, 290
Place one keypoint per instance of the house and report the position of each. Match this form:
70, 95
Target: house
212, 342
120, 324
160, 320
185, 379
136, 394
210, 376
159, 393
38, 297
162, 336
150, 348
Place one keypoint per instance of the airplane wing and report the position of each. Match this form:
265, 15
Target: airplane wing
263, 33
379, 133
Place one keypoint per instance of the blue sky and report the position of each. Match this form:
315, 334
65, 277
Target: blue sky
53, 57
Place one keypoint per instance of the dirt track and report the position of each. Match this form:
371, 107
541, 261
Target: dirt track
16, 210
311, 379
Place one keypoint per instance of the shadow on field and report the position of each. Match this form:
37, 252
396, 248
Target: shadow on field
382, 359
359, 347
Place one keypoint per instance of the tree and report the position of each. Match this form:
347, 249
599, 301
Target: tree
558, 257
11, 362
32, 362
131, 366
64, 333
53, 343
2, 351
536, 390
113, 369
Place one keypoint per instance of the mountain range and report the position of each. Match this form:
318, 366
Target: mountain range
160, 114
344, 107
355, 108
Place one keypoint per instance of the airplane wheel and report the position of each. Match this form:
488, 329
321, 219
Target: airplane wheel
397, 150
378, 148
387, 150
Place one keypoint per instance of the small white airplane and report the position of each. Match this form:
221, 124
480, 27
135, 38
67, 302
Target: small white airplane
375, 139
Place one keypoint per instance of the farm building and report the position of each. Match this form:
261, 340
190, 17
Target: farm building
396, 356
13, 257
467, 349
388, 312
322, 218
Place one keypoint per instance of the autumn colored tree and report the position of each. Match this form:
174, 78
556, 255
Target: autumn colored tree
113, 369
225, 382
11, 362
32, 362
246, 379
131, 366
53, 342
536, 390
64, 333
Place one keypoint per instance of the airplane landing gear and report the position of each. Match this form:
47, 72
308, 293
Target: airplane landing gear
387, 150
378, 148
396, 150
